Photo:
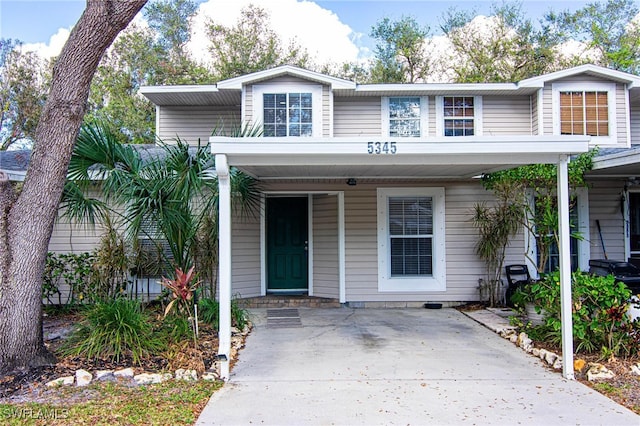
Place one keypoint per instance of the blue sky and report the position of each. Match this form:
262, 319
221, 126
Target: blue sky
36, 21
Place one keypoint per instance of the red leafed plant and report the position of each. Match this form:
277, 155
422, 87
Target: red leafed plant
182, 287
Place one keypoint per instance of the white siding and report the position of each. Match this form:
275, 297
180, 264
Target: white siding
193, 123
463, 267
506, 115
357, 117
535, 130
245, 252
635, 124
73, 238
325, 246
605, 205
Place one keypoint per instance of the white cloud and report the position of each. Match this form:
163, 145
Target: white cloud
319, 30
53, 47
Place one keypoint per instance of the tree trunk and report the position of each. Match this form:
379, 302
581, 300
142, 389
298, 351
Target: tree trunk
27, 218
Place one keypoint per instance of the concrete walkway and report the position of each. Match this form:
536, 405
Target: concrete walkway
397, 367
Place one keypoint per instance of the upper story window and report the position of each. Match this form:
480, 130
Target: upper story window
584, 113
287, 114
404, 116
288, 109
585, 109
459, 115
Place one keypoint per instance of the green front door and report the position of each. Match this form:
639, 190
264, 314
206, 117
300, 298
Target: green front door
287, 240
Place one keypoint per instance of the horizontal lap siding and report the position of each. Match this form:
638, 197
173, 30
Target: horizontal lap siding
503, 115
245, 255
535, 129
621, 114
356, 117
547, 112
605, 206
68, 237
463, 267
325, 246
193, 123
635, 124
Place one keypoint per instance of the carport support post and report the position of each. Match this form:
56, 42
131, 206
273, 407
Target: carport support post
224, 264
565, 268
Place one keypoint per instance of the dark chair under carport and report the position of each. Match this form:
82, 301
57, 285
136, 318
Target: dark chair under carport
517, 276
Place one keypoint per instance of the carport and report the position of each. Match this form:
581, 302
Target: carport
367, 157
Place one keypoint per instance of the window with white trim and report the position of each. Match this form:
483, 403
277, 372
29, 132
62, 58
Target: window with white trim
459, 115
411, 239
288, 110
585, 109
404, 116
287, 114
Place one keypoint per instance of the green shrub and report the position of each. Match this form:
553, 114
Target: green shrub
209, 311
598, 311
177, 328
113, 330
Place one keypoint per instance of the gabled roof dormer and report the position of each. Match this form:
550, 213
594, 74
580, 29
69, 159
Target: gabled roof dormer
632, 81
285, 70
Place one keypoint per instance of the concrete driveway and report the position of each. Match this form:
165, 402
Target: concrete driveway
396, 367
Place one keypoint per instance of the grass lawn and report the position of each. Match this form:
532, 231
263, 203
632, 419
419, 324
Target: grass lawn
169, 403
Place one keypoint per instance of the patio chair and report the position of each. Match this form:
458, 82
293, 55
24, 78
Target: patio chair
517, 276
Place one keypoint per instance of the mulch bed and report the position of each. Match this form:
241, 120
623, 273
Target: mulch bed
29, 385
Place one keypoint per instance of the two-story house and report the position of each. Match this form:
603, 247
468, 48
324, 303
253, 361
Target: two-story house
368, 189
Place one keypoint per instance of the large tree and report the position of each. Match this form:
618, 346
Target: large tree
23, 87
503, 47
141, 55
27, 217
608, 28
401, 54
251, 45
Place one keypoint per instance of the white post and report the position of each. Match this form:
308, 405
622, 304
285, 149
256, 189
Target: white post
565, 268
224, 264
341, 249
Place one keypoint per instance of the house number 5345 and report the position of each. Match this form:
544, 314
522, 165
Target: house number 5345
381, 148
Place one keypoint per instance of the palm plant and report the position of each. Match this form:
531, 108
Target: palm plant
496, 226
167, 194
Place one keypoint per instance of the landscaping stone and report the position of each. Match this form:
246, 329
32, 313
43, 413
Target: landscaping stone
535, 352
149, 378
635, 369
104, 375
83, 377
61, 381
599, 372
126, 372
186, 375
557, 364
210, 376
524, 342
550, 358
